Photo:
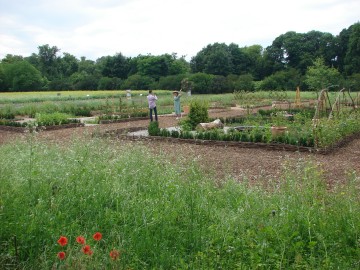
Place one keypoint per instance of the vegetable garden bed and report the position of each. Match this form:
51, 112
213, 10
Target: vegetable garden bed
39, 128
267, 146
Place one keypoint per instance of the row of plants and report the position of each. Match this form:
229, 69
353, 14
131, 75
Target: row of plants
54, 119
124, 115
43, 119
255, 135
6, 122
328, 131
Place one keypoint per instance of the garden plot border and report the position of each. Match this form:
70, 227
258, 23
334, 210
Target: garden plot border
122, 133
40, 128
131, 119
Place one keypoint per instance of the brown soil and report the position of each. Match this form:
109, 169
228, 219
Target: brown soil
256, 165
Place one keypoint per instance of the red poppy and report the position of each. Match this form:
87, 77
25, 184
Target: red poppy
61, 255
62, 241
80, 240
114, 254
87, 250
97, 236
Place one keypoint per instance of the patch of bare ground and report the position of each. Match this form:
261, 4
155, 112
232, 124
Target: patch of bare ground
258, 166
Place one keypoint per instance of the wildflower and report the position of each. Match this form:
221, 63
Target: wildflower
114, 254
62, 241
97, 236
61, 255
80, 240
87, 250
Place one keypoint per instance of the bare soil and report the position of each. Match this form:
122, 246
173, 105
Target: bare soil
258, 166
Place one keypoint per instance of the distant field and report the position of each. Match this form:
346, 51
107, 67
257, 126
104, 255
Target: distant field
23, 97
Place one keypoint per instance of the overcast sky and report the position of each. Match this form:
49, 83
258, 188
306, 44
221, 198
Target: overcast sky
95, 28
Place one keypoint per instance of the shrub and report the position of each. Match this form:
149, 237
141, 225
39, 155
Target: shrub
175, 134
49, 119
198, 113
164, 132
7, 113
153, 128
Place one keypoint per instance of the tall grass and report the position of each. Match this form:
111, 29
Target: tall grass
163, 213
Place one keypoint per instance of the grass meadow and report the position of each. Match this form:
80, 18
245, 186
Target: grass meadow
160, 211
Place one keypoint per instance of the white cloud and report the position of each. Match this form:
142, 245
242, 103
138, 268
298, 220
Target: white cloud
94, 28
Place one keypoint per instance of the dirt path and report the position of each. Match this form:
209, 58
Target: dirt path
256, 165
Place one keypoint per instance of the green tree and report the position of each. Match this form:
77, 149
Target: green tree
22, 76
179, 66
48, 61
153, 66
106, 83
84, 81
116, 66
352, 57
10, 58
319, 76
88, 66
282, 80
68, 64
3, 86
219, 84
353, 82
201, 82
214, 59
245, 82
296, 50
138, 82
255, 61
172, 82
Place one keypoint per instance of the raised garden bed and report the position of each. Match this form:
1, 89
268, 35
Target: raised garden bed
39, 128
123, 120
267, 146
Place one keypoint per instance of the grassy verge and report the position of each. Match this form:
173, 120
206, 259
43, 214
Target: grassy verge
161, 212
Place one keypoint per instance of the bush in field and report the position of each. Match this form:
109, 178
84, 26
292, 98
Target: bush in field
244, 82
22, 76
198, 113
171, 82
153, 128
7, 112
49, 119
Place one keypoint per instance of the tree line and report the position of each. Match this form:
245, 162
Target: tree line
311, 60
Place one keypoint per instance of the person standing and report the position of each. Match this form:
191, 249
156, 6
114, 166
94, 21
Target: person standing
177, 106
152, 98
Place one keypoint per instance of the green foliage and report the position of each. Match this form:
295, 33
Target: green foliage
352, 57
153, 128
282, 80
138, 82
171, 82
185, 124
7, 112
330, 131
201, 82
319, 76
198, 113
109, 83
50, 119
6, 122
245, 82
22, 76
